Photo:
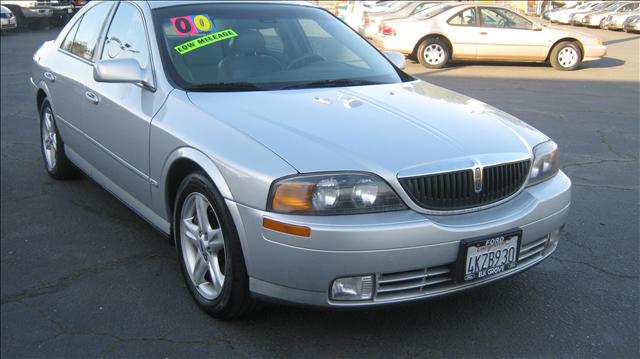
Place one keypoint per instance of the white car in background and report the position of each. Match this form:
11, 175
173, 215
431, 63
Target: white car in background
482, 31
578, 19
564, 16
371, 21
596, 19
616, 21
7, 19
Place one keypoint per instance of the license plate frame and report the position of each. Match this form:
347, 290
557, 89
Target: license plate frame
465, 244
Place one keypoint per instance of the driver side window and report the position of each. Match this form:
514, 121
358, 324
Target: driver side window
501, 18
127, 37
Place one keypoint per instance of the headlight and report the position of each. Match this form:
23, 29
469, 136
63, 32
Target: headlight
333, 194
546, 162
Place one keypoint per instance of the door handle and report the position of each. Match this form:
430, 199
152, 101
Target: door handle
484, 33
91, 97
49, 76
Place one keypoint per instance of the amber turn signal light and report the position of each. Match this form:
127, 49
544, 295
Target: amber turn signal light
286, 228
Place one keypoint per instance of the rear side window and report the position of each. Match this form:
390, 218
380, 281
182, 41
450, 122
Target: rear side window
464, 18
127, 36
86, 37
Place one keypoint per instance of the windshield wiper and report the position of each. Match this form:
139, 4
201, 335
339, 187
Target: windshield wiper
331, 83
223, 86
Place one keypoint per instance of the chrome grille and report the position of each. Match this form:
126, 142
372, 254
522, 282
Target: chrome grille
456, 190
424, 281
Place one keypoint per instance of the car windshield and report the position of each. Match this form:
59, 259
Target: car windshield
433, 11
240, 47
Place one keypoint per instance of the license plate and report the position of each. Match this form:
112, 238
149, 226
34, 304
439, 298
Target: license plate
482, 258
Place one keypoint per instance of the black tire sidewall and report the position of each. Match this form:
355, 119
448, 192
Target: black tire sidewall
556, 50
235, 275
427, 42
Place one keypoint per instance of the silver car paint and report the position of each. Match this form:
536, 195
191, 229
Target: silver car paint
130, 140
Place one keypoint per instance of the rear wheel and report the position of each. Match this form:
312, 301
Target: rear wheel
209, 249
433, 53
55, 160
566, 56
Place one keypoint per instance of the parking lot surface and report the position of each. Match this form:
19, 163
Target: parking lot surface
82, 276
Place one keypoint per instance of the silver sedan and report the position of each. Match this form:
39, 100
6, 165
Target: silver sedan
288, 159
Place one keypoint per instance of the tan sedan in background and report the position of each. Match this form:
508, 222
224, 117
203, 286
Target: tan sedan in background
485, 32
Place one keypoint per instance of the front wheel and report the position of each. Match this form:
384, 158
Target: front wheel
209, 250
566, 56
55, 160
433, 53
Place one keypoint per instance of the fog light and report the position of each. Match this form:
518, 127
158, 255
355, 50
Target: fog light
352, 288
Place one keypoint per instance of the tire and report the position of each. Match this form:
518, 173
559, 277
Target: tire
433, 53
566, 56
56, 162
222, 290
602, 25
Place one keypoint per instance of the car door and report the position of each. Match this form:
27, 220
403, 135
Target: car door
462, 30
66, 71
118, 115
506, 35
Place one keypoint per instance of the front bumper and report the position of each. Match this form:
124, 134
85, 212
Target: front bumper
594, 52
36, 12
390, 245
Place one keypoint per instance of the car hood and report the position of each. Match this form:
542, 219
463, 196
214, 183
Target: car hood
385, 129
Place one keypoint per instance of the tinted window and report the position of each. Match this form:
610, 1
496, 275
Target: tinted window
86, 39
258, 46
68, 40
127, 37
502, 18
464, 18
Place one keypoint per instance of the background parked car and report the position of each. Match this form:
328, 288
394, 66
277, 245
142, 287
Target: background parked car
371, 21
7, 19
576, 18
34, 13
486, 32
632, 24
564, 16
616, 21
596, 19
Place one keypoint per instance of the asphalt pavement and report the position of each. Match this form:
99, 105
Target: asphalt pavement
83, 276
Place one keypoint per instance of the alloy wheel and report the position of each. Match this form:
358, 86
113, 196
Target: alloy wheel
49, 139
203, 248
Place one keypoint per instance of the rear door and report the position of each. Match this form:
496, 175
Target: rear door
65, 75
505, 35
118, 115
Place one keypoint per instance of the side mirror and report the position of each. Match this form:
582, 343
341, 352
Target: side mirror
396, 58
536, 27
122, 71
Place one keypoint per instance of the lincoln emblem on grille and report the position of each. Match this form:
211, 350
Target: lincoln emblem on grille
477, 179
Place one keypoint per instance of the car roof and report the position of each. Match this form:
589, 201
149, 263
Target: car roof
154, 4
